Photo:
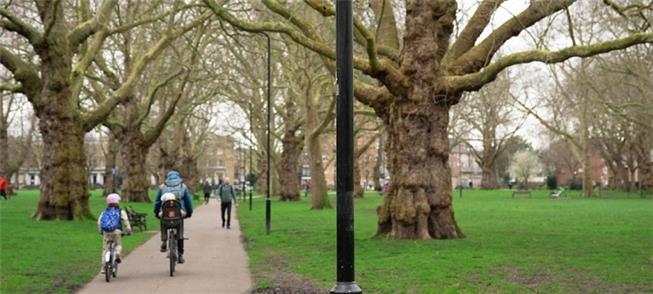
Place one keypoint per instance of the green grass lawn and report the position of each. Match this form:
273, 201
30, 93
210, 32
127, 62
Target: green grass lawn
54, 256
513, 245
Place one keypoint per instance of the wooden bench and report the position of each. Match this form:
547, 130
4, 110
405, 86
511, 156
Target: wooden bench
522, 192
137, 219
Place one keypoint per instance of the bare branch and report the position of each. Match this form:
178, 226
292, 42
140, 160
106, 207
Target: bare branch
475, 81
477, 57
24, 73
473, 29
14, 24
84, 30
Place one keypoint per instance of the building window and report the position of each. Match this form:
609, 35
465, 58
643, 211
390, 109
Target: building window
220, 163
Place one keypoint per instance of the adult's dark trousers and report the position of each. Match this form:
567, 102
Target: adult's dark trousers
180, 236
3, 193
226, 207
206, 196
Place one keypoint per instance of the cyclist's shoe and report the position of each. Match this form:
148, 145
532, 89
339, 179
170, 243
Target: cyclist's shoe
118, 260
164, 246
181, 259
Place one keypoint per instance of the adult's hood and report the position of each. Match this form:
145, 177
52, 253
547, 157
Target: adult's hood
173, 179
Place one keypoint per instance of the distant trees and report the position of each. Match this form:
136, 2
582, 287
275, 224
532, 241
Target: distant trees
525, 164
488, 121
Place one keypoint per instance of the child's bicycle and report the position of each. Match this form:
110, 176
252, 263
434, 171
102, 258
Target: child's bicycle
110, 264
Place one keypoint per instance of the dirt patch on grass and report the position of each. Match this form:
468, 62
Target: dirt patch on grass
540, 281
281, 280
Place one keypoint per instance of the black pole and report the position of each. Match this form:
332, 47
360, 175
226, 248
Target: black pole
244, 161
345, 149
251, 158
267, 172
460, 170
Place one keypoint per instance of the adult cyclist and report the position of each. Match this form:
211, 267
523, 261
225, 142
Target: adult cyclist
174, 184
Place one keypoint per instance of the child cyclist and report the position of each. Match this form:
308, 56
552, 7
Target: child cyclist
110, 224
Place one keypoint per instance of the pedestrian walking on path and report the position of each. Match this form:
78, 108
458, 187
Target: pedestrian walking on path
215, 263
227, 197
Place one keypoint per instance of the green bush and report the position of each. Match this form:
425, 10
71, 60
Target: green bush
552, 182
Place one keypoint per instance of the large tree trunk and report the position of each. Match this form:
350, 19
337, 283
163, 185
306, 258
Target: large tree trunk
378, 165
319, 199
4, 146
489, 176
110, 164
418, 204
261, 177
587, 174
64, 194
190, 173
134, 155
358, 188
289, 168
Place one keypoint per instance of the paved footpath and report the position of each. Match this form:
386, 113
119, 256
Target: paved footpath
215, 262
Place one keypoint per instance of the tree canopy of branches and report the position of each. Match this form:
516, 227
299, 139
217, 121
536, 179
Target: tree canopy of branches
415, 83
67, 39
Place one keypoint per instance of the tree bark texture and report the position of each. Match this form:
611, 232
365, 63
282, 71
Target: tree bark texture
358, 188
319, 199
64, 194
289, 167
190, 172
418, 204
489, 176
4, 146
378, 173
134, 155
110, 164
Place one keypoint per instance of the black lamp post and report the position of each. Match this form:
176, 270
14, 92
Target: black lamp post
345, 150
251, 158
460, 170
242, 165
267, 172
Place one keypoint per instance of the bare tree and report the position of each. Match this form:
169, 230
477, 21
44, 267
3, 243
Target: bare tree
420, 80
525, 164
489, 120
67, 40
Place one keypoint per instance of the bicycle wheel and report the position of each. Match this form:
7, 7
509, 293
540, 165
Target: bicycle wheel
114, 272
107, 272
172, 247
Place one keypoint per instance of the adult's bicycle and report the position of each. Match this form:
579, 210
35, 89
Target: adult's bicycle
172, 221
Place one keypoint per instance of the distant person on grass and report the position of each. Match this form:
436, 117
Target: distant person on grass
3, 187
227, 196
174, 185
110, 224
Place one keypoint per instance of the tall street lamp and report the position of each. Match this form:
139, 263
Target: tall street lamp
242, 165
267, 172
345, 150
251, 158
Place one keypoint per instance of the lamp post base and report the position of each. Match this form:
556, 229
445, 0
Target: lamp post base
346, 287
